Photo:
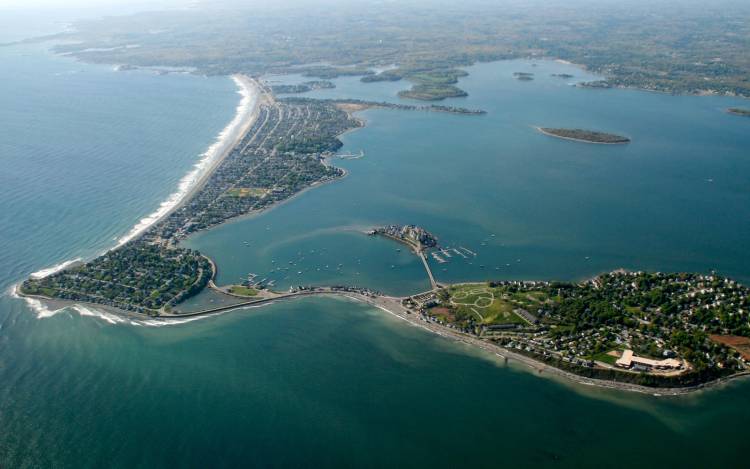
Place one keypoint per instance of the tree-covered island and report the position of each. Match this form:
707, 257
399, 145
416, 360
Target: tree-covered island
581, 135
425, 92
739, 111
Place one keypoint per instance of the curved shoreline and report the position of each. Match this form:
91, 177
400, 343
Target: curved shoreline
246, 115
189, 184
392, 306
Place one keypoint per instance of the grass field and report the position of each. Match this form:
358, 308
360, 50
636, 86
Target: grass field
605, 358
484, 304
247, 192
244, 291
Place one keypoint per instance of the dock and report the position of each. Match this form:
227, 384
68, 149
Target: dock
437, 257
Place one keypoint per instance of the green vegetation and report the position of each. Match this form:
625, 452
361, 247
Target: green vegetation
476, 305
138, 277
246, 192
701, 319
242, 290
588, 136
432, 92
605, 357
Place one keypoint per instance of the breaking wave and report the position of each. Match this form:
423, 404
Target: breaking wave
54, 269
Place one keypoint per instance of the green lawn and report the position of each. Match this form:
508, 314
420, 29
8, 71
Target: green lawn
244, 291
605, 358
246, 192
468, 300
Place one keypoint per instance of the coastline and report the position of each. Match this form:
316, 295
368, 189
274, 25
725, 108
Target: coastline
387, 304
229, 137
246, 113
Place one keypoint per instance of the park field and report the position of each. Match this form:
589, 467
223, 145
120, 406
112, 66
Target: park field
243, 291
491, 305
247, 192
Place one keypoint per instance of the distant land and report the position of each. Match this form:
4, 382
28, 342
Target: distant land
586, 136
427, 46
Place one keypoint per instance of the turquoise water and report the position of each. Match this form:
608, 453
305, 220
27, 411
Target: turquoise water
529, 205
86, 152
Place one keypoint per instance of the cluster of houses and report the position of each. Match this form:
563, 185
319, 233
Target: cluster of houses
411, 234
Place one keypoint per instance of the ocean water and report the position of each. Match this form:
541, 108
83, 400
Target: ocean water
87, 152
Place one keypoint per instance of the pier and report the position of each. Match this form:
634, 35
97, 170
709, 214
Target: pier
433, 282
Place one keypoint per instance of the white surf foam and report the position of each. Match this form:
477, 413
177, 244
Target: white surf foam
169, 322
223, 143
42, 310
95, 313
54, 269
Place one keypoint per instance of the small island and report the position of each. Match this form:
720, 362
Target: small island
413, 236
586, 136
432, 92
739, 111
523, 76
562, 75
